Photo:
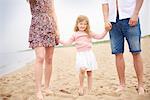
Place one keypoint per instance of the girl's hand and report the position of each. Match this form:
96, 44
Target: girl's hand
106, 31
108, 26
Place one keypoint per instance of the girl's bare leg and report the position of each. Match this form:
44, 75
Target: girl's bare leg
81, 79
89, 74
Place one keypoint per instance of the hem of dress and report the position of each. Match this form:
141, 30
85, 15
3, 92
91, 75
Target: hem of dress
41, 46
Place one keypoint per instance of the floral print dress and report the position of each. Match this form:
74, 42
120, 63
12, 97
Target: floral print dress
42, 30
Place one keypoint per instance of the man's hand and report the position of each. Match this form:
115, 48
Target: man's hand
133, 20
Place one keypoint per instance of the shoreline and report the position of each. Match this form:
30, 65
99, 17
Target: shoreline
13, 61
20, 65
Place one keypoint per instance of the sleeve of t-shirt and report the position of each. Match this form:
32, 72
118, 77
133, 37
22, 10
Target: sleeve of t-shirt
98, 36
104, 1
69, 41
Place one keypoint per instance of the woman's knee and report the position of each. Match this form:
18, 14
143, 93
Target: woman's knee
48, 59
40, 58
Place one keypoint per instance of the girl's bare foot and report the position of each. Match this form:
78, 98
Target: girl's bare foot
120, 88
141, 91
81, 92
39, 96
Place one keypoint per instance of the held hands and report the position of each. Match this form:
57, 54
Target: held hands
57, 39
133, 20
108, 26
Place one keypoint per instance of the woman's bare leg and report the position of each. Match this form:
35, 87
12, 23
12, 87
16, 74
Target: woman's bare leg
48, 68
38, 67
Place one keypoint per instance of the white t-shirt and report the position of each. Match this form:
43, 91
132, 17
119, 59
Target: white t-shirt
125, 8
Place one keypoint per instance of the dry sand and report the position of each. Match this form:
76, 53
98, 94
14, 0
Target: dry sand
19, 85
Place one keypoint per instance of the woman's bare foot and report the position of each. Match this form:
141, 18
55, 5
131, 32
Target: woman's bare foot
89, 92
141, 91
39, 96
120, 88
48, 91
81, 91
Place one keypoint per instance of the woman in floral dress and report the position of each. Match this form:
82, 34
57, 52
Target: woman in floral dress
43, 36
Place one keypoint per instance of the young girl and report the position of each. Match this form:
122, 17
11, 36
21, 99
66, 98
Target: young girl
43, 35
85, 59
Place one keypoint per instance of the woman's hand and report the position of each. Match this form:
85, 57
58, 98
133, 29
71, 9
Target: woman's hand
57, 39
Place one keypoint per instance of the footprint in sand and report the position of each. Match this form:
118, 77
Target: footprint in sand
64, 91
5, 95
5, 98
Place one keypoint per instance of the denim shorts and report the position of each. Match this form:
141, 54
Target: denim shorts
120, 31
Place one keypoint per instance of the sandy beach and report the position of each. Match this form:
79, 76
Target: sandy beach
20, 85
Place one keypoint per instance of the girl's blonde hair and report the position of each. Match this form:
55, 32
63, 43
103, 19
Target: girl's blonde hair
80, 19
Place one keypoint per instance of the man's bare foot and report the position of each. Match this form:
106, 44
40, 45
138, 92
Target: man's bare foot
81, 91
39, 96
120, 89
141, 91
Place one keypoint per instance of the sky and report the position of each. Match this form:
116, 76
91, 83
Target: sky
14, 22
15, 18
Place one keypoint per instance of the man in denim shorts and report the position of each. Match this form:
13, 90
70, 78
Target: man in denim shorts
121, 18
